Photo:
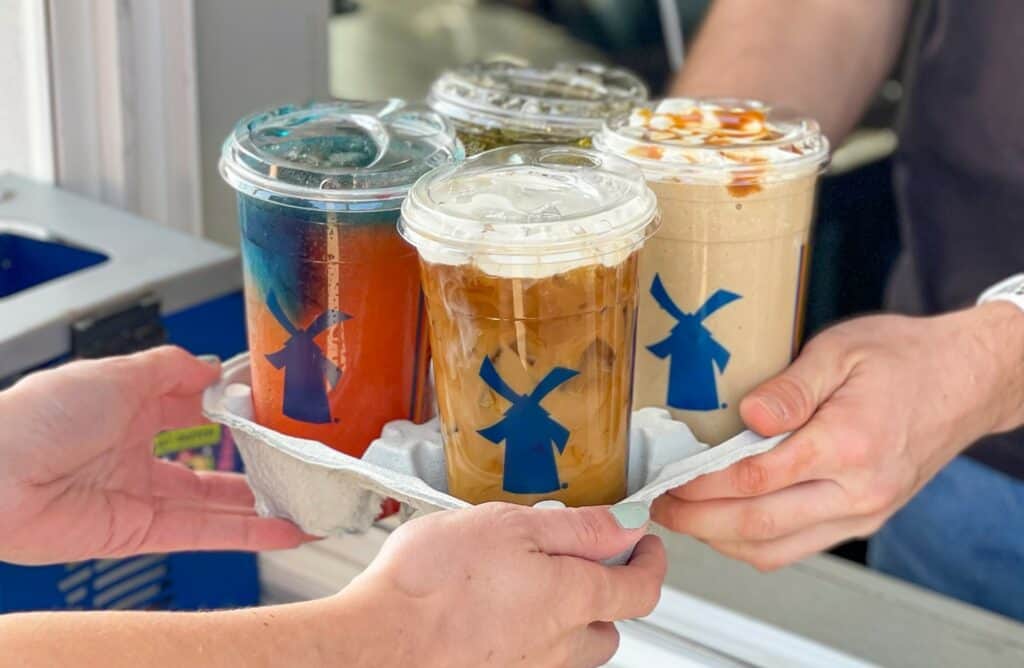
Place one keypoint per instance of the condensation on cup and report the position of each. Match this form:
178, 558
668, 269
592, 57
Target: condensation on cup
500, 103
336, 323
723, 281
529, 260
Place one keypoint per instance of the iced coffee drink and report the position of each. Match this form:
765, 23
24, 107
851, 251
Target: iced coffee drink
499, 103
529, 264
722, 283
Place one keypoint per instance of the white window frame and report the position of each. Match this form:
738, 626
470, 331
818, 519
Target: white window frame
25, 79
37, 99
125, 107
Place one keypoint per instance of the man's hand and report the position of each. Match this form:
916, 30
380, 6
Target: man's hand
879, 405
78, 478
505, 585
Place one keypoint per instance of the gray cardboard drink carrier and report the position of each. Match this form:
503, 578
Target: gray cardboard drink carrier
328, 493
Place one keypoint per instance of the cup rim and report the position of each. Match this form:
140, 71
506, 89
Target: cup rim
502, 93
424, 222
251, 166
800, 150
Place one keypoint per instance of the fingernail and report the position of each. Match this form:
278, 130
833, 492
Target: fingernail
631, 515
212, 360
773, 406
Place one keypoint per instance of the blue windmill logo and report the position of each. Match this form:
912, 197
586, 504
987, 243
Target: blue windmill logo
694, 352
307, 371
528, 431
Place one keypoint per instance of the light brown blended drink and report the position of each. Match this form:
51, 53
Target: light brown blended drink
723, 281
498, 104
529, 262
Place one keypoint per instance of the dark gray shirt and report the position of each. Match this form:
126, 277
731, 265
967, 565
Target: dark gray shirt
959, 172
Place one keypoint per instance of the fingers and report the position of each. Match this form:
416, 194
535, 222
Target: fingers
774, 554
177, 412
610, 593
763, 518
195, 506
172, 370
597, 644
787, 401
207, 488
644, 574
589, 533
806, 455
178, 530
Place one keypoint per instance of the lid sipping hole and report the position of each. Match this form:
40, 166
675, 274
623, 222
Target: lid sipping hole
417, 123
564, 158
327, 143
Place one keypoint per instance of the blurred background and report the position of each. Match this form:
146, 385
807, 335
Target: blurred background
380, 48
126, 103
132, 110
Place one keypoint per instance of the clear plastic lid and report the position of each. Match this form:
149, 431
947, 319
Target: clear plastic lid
716, 140
341, 155
570, 98
530, 206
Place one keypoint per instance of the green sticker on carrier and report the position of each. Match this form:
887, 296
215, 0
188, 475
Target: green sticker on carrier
176, 440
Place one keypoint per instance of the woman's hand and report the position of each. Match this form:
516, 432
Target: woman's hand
878, 406
78, 478
502, 585
494, 585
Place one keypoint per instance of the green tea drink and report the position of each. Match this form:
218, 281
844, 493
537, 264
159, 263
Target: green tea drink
500, 103
722, 283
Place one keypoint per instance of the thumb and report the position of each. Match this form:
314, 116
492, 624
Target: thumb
787, 401
595, 532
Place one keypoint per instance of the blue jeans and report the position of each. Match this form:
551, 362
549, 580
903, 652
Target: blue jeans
963, 536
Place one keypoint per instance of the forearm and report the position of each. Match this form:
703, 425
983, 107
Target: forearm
329, 632
824, 58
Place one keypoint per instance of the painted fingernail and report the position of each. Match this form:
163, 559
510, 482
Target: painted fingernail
773, 406
631, 515
212, 360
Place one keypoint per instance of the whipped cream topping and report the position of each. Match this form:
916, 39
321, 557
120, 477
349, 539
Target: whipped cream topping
530, 212
716, 141
699, 122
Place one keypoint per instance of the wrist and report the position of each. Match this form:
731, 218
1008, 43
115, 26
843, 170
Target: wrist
996, 330
368, 624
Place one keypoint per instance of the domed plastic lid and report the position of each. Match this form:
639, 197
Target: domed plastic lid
529, 205
716, 140
337, 155
574, 98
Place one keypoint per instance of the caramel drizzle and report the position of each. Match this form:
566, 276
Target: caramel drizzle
721, 127
716, 126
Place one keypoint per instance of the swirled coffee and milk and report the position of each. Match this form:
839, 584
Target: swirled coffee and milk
529, 258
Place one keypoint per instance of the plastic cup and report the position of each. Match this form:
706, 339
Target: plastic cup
529, 262
723, 281
498, 104
336, 324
